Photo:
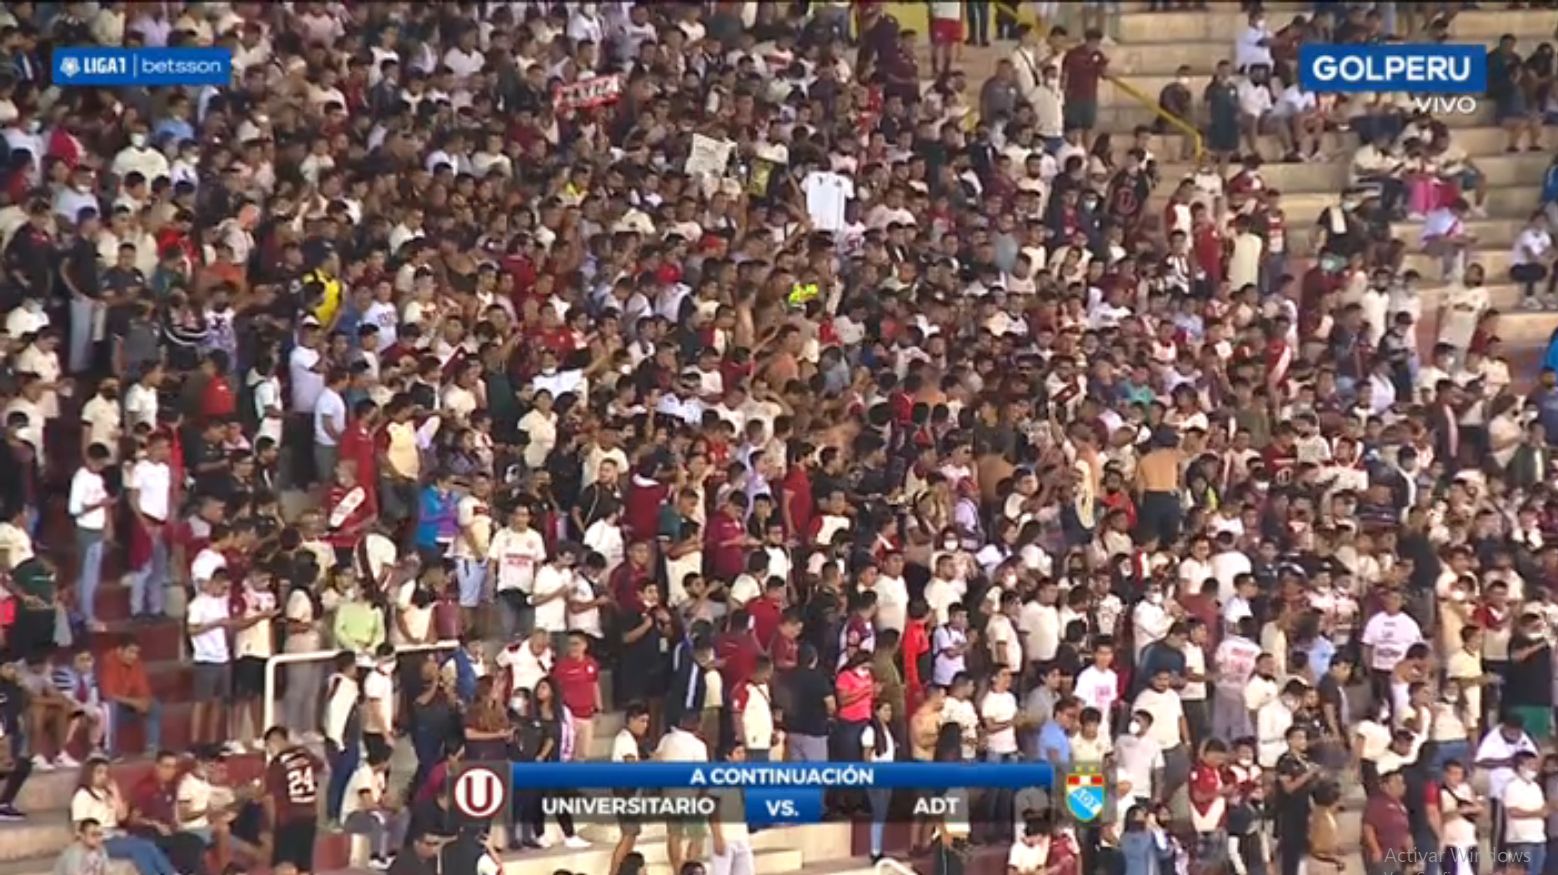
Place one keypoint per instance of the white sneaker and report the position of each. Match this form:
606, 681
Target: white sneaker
545, 841
66, 761
40, 763
576, 842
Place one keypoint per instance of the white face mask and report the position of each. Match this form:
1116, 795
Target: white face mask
1155, 598
1134, 728
138, 140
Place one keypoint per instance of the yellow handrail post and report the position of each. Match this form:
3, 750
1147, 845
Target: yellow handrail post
1173, 120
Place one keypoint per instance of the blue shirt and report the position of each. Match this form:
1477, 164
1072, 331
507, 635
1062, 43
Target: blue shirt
1054, 745
436, 522
1321, 652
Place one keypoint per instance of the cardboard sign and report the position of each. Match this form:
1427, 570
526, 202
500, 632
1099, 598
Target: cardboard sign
588, 93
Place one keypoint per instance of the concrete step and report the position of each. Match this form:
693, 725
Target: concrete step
1490, 234
1480, 143
1222, 23
1501, 171
1119, 113
44, 866
1304, 207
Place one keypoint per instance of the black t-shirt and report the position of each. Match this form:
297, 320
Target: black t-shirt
118, 280
81, 265
808, 715
1530, 679
1293, 808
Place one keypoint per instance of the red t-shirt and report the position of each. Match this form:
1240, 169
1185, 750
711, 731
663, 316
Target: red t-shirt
797, 492
1083, 67
725, 562
579, 679
291, 779
644, 500
1206, 785
740, 651
765, 614
217, 400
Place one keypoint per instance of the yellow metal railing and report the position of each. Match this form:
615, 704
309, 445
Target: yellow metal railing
1171, 119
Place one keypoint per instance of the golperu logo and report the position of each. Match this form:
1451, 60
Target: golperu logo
1412, 68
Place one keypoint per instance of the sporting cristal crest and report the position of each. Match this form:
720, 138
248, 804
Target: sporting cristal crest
1085, 793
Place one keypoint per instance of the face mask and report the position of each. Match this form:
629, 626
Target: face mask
138, 140
1185, 81
1245, 759
1155, 598
949, 546
1528, 774
1134, 728
34, 126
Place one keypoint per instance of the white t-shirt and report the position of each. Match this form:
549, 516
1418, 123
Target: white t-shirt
209, 646
306, 382
586, 621
378, 689
681, 746
826, 194
1040, 631
329, 408
624, 747
552, 616
1459, 831
195, 792
153, 486
206, 564
525, 666
517, 555
1495, 747
87, 489
999, 630
1390, 636
1028, 859
1166, 710
1098, 688
1520, 793
1532, 246
1002, 707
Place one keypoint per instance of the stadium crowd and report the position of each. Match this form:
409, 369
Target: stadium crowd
702, 371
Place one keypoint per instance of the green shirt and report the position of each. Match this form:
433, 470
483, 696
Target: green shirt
35, 579
358, 626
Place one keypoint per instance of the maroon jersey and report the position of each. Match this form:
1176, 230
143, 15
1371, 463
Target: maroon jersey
291, 779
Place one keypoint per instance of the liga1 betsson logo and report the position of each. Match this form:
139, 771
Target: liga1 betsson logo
99, 66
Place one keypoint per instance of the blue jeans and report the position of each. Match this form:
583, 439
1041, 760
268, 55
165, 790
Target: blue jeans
341, 768
147, 858
146, 585
152, 719
89, 546
1444, 751
1533, 855
880, 798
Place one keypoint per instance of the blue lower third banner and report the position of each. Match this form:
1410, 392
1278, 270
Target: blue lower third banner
97, 66
779, 776
1414, 68
782, 807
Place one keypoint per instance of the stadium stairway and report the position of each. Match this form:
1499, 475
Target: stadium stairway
1153, 45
